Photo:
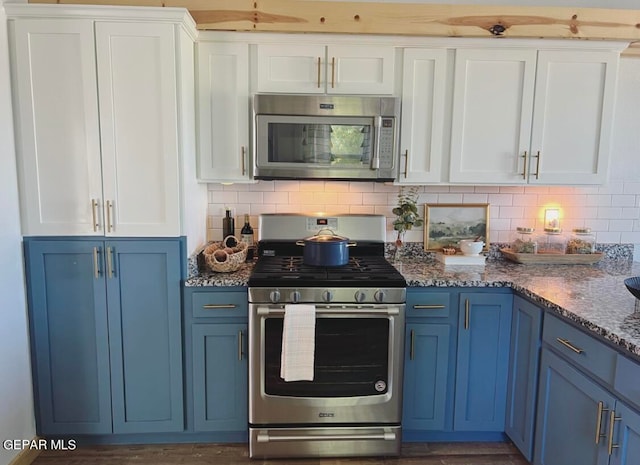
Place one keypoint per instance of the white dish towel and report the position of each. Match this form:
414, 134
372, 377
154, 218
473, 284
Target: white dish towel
298, 343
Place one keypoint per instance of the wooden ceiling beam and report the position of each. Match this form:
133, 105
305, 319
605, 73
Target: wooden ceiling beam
416, 19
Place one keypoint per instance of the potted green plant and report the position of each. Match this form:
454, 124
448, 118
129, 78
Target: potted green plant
407, 215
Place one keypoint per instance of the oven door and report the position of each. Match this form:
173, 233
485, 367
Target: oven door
357, 367
328, 147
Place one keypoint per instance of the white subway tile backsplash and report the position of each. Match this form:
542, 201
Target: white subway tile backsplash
277, 197
501, 199
475, 198
250, 197
621, 225
511, 212
612, 212
599, 200
623, 200
450, 198
631, 188
487, 189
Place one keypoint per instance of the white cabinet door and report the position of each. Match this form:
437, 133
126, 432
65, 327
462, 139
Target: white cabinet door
136, 65
291, 68
317, 69
423, 116
492, 112
56, 115
573, 114
223, 103
360, 69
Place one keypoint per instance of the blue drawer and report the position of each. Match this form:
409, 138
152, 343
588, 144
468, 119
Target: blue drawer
219, 304
579, 347
428, 304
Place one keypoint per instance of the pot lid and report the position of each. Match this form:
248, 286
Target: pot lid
326, 235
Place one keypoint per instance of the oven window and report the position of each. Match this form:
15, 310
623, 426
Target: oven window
351, 359
318, 143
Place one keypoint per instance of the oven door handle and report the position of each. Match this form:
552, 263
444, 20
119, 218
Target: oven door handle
386, 436
266, 311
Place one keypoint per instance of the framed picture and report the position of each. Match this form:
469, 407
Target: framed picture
447, 223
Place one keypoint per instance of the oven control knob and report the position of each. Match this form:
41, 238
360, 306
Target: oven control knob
359, 296
295, 297
327, 296
379, 295
274, 296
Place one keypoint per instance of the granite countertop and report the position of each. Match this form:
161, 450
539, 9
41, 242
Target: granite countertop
594, 296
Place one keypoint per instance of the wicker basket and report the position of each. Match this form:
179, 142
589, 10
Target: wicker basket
224, 259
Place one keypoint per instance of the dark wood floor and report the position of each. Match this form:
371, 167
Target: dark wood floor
218, 454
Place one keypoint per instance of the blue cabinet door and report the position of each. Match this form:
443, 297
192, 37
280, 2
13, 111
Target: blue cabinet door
426, 371
624, 436
144, 305
572, 416
484, 329
524, 360
68, 316
220, 377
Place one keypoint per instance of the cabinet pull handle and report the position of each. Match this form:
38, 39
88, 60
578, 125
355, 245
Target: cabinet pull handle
94, 214
217, 306
599, 433
406, 163
110, 262
612, 420
96, 266
411, 345
240, 345
568, 344
243, 154
466, 313
524, 168
318, 72
538, 165
333, 72
109, 212
428, 307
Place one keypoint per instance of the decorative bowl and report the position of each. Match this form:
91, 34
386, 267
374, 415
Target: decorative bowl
633, 284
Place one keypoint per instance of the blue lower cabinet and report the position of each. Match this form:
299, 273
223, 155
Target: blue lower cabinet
220, 377
484, 330
426, 371
69, 336
624, 437
573, 416
106, 335
143, 294
522, 385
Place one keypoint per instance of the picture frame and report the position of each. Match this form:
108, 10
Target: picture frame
448, 223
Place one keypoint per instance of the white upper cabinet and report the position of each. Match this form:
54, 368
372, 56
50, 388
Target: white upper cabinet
138, 126
223, 109
56, 115
573, 116
492, 112
96, 111
333, 69
532, 116
423, 116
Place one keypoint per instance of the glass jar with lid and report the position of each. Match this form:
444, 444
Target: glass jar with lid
553, 241
582, 241
524, 240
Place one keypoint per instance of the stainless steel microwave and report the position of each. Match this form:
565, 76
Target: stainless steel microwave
325, 137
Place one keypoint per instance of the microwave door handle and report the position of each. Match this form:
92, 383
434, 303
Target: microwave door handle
375, 159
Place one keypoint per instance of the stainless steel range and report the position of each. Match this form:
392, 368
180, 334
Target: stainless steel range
352, 404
